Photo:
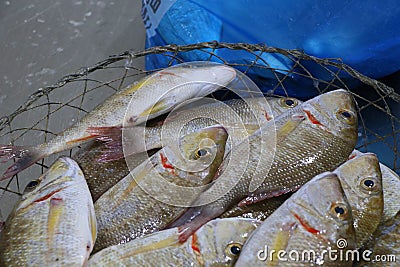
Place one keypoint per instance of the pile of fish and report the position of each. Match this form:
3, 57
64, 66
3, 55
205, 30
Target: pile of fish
261, 181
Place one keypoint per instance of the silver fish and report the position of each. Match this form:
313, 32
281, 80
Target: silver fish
311, 138
217, 243
248, 114
156, 94
140, 203
54, 223
361, 180
391, 189
313, 220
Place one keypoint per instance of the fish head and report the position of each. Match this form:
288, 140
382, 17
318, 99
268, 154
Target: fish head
334, 112
361, 180
63, 172
321, 209
205, 73
219, 242
59, 204
201, 151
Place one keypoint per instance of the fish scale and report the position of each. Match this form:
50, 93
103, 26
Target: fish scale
385, 243
101, 176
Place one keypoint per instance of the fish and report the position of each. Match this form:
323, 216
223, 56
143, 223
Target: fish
258, 211
250, 114
154, 193
101, 176
217, 243
154, 95
384, 245
54, 223
317, 217
391, 189
314, 137
361, 180
366, 201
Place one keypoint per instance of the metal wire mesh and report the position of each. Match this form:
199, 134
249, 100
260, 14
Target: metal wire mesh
51, 109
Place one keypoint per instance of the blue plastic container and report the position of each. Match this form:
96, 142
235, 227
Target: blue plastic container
364, 34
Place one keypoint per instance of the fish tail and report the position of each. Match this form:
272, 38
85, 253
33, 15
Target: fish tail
191, 221
258, 197
25, 155
112, 138
188, 229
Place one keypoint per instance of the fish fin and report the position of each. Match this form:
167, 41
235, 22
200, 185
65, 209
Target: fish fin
188, 229
25, 155
281, 241
110, 135
112, 138
156, 108
288, 127
57, 206
192, 220
261, 196
92, 225
160, 244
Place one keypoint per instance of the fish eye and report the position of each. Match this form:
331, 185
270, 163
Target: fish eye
340, 210
370, 185
234, 249
32, 185
201, 152
288, 102
346, 115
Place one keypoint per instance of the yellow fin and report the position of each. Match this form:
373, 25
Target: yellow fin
93, 225
53, 221
163, 243
288, 127
159, 106
133, 88
280, 243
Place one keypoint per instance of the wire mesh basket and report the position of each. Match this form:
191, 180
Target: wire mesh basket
51, 109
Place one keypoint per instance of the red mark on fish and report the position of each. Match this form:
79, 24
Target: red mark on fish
164, 162
162, 73
352, 156
267, 116
81, 139
195, 246
48, 195
306, 225
312, 118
